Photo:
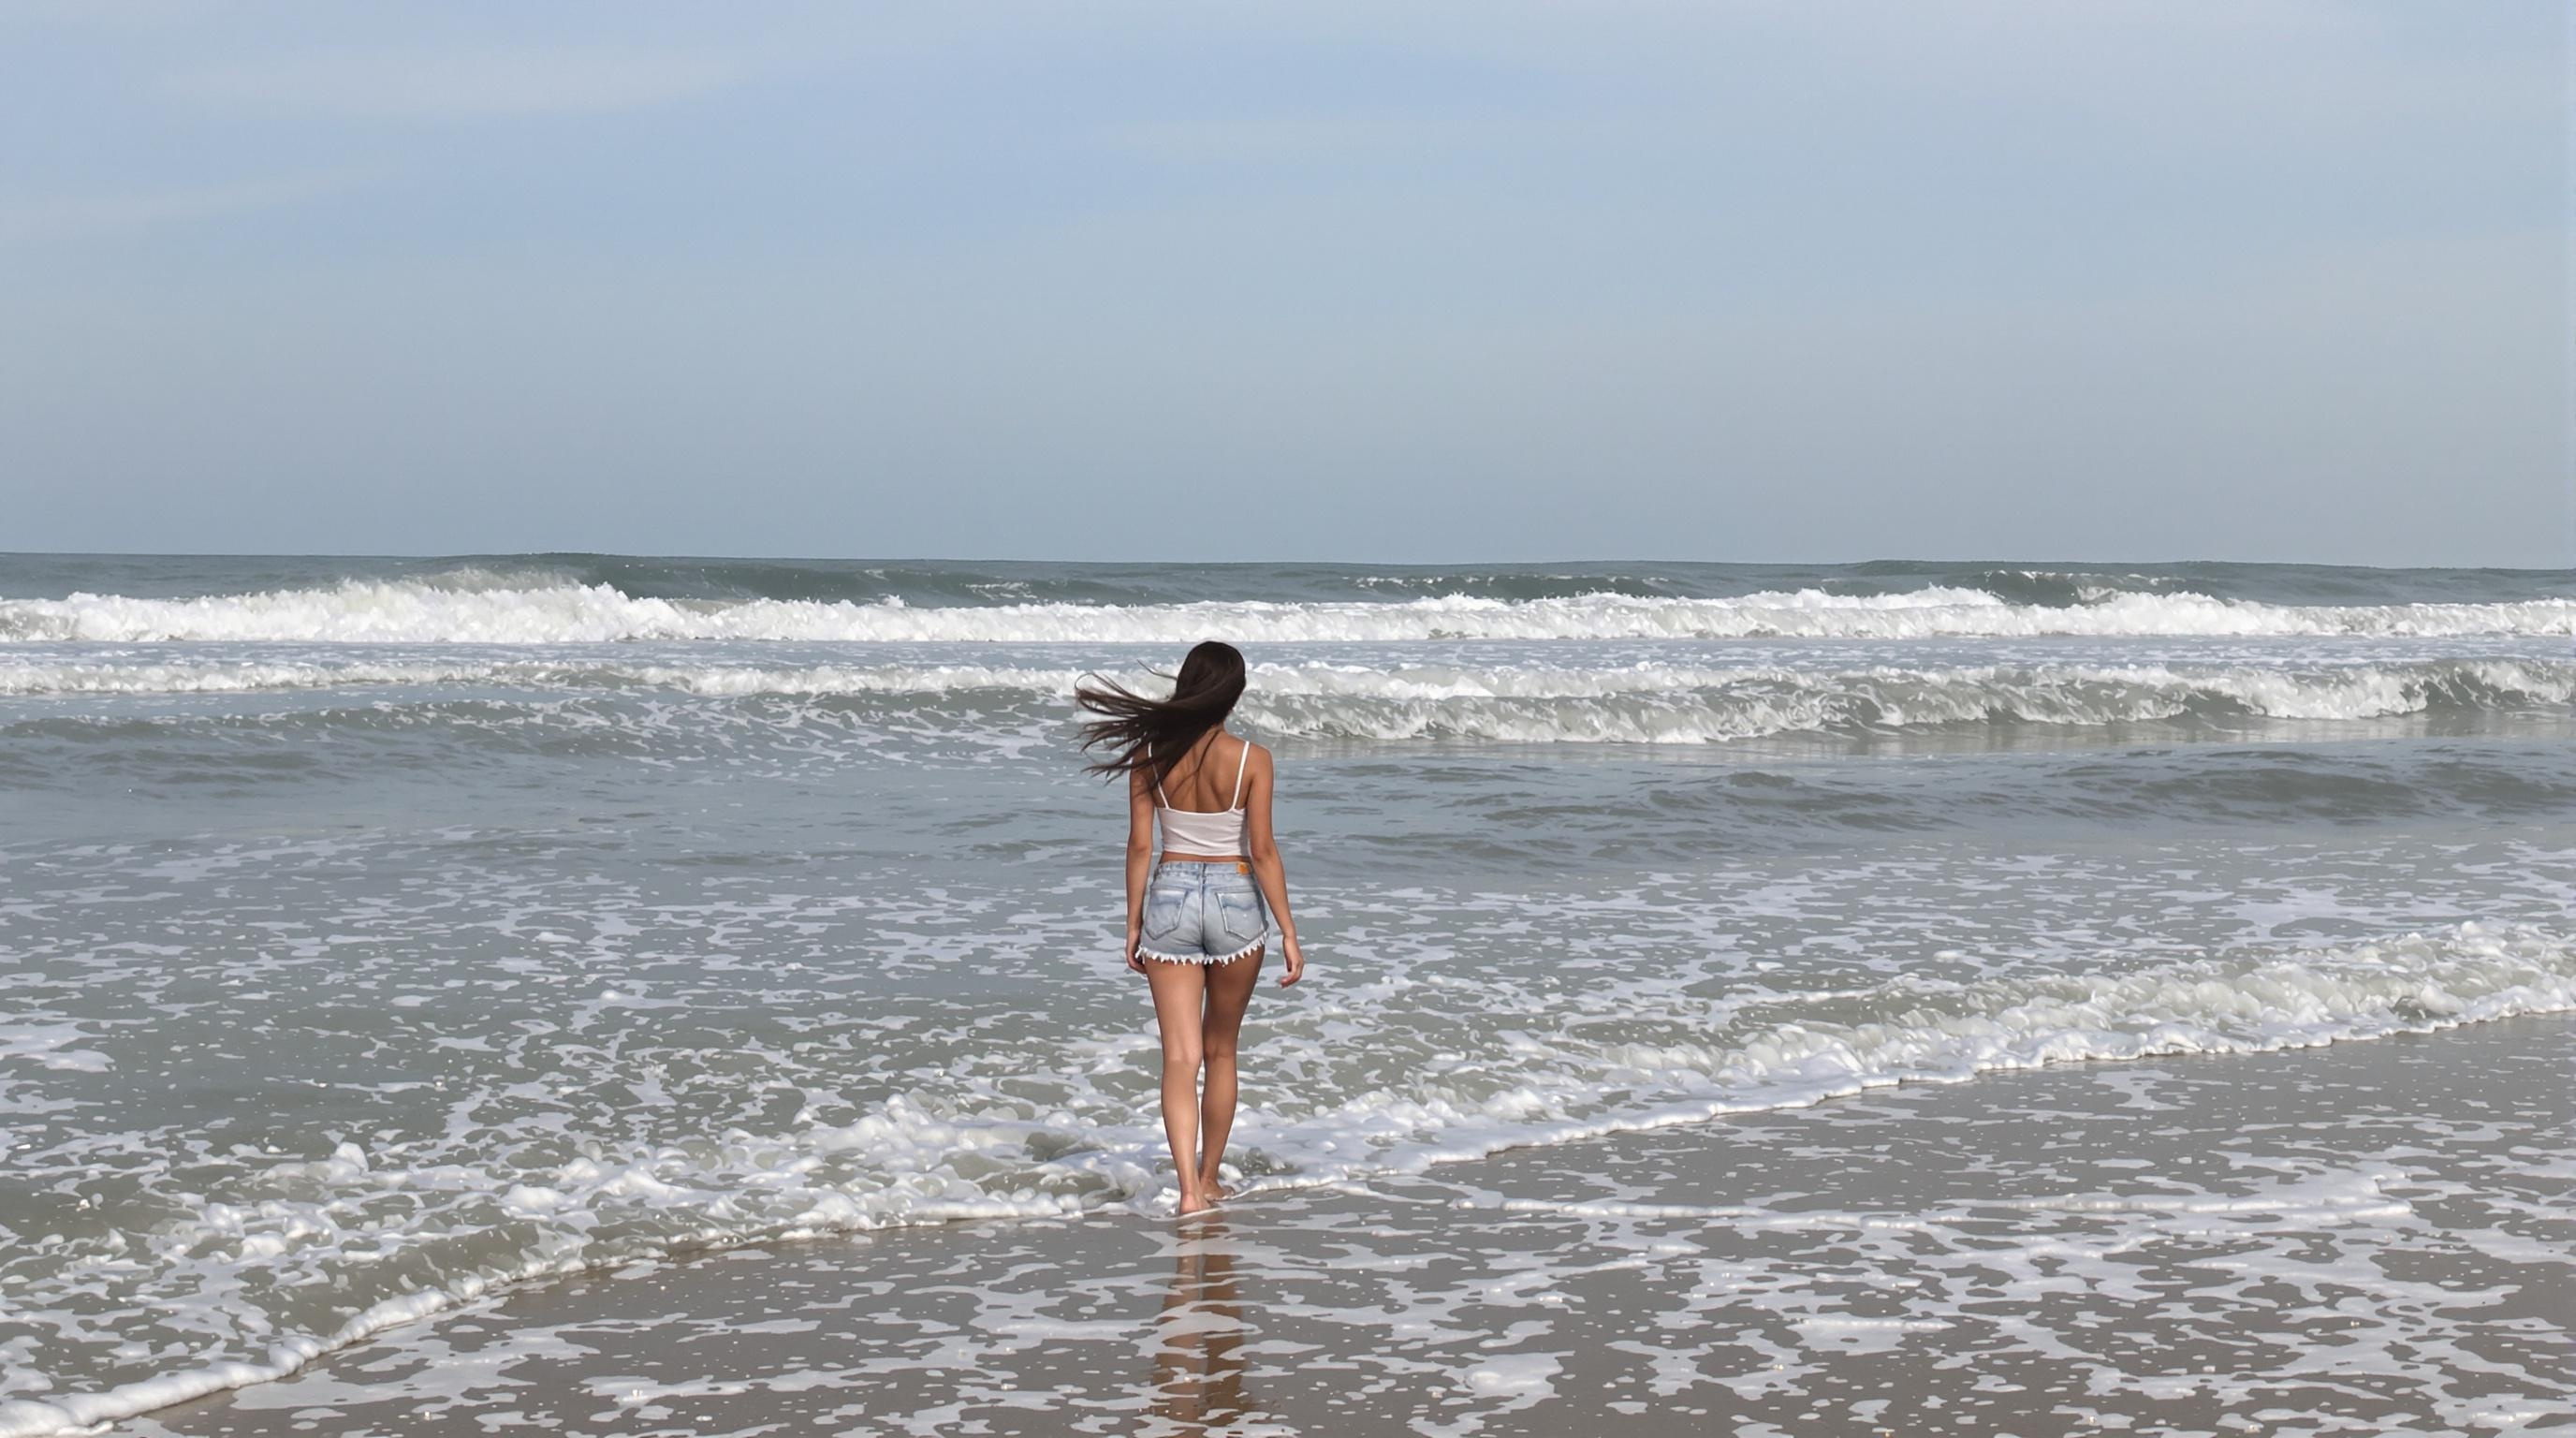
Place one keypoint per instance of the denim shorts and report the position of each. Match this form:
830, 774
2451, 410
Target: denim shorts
1202, 914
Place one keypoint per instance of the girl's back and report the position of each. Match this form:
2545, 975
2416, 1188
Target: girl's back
1203, 781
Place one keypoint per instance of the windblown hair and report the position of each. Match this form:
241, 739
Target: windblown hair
1153, 734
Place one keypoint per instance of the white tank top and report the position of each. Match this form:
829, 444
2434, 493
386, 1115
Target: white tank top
1198, 831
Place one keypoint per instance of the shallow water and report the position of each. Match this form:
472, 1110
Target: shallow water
2365, 1238
379, 931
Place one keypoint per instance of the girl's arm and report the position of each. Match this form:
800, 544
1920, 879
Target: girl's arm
1263, 850
1140, 858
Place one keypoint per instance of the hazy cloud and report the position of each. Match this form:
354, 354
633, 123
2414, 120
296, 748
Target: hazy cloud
462, 84
57, 219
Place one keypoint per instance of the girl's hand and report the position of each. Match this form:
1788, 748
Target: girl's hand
1135, 936
1296, 958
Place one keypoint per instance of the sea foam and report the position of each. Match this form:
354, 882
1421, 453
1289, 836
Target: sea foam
411, 611
1512, 703
977, 1159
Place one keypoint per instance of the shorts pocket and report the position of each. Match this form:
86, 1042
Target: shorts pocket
1242, 916
1163, 909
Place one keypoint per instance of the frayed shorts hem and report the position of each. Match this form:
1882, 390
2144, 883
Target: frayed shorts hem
1145, 953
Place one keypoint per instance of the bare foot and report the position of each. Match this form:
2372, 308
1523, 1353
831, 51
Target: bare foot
1213, 1191
1193, 1201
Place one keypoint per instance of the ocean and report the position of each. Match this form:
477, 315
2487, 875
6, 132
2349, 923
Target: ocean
381, 933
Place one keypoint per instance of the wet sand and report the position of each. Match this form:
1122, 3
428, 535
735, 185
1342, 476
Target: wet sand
2374, 1237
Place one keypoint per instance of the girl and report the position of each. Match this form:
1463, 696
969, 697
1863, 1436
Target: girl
1197, 920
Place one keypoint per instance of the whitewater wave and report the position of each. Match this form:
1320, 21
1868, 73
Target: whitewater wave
1656, 704
929, 1159
1636, 704
487, 610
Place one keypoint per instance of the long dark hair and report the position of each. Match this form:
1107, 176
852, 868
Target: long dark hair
1147, 733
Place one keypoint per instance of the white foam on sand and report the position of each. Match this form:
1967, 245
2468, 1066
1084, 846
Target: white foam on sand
901, 1163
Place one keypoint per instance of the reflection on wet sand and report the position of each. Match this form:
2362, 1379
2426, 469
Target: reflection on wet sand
1199, 1334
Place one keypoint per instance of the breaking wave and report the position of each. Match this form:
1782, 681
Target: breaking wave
1635, 704
481, 608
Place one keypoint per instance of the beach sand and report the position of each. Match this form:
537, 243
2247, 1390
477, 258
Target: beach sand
2370, 1237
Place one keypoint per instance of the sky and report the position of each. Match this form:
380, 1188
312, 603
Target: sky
2257, 280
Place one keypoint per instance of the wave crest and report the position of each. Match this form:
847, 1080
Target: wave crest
1637, 704
501, 608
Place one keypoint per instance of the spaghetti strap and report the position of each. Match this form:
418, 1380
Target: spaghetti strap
1158, 781
1237, 801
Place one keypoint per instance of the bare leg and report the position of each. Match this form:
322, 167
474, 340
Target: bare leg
1179, 992
1229, 990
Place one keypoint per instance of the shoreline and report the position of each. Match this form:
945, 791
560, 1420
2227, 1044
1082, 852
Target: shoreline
1656, 1195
